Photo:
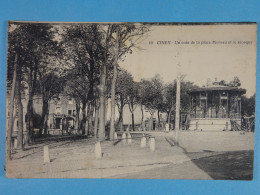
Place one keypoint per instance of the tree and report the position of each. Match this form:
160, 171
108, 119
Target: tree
15, 71
29, 43
85, 54
151, 94
248, 105
170, 96
185, 97
133, 99
51, 85
39, 44
158, 87
35, 44
20, 108
169, 99
11, 108
123, 85
123, 38
223, 83
77, 88
235, 82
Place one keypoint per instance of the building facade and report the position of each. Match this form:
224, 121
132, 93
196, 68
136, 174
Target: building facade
61, 111
215, 107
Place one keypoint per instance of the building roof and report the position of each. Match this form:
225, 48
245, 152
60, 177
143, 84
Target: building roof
218, 88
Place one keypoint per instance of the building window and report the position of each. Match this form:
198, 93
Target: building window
58, 110
70, 101
69, 111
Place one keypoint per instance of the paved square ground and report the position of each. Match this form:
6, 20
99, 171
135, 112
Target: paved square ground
76, 159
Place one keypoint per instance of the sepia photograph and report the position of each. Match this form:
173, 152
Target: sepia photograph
130, 100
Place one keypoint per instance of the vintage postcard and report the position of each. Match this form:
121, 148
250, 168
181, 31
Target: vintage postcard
131, 100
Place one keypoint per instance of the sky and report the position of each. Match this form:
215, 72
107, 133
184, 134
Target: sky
206, 51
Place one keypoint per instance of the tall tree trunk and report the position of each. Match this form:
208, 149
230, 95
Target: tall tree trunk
120, 119
46, 120
76, 127
113, 86
96, 120
87, 119
45, 108
131, 109
106, 107
31, 88
133, 121
84, 118
90, 119
169, 117
45, 113
113, 92
159, 121
29, 118
142, 119
101, 132
151, 119
11, 110
20, 110
129, 122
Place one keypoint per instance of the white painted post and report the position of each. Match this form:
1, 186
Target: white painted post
129, 138
46, 155
98, 152
143, 141
152, 144
124, 137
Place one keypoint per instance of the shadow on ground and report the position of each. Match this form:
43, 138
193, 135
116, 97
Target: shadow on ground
235, 165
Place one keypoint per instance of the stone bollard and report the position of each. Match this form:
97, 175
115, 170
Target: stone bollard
98, 152
46, 155
129, 138
15, 143
115, 136
152, 144
143, 142
124, 137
